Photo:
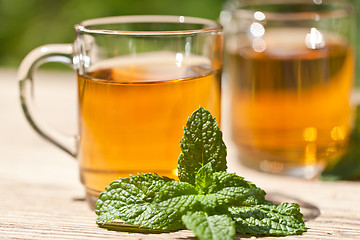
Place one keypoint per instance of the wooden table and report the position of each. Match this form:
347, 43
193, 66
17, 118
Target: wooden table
42, 198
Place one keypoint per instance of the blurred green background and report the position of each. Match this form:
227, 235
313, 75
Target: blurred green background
26, 24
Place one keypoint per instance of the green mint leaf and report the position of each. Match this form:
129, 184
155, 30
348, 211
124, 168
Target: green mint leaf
235, 191
204, 178
217, 227
125, 192
223, 180
274, 220
173, 200
237, 196
202, 143
151, 216
230, 189
181, 197
175, 189
147, 200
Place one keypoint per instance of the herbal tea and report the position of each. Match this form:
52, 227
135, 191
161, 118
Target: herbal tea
133, 113
290, 103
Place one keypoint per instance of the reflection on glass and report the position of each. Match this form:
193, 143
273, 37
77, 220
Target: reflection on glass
310, 134
314, 39
271, 166
179, 59
338, 133
259, 45
259, 16
257, 30
318, 2
310, 154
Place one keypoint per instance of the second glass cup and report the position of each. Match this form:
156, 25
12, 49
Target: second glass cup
290, 64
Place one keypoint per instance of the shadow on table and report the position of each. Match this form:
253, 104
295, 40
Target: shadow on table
78, 199
309, 210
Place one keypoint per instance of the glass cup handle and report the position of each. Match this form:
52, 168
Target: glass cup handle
61, 53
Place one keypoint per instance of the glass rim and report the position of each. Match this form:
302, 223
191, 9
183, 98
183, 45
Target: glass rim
85, 26
345, 9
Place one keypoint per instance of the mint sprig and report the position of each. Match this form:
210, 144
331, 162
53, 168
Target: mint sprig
202, 143
209, 201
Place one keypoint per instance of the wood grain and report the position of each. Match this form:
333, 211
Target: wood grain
42, 198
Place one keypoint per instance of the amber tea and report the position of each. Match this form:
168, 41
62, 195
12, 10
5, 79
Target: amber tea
133, 113
290, 102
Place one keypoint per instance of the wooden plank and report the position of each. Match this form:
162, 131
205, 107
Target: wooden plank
42, 198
